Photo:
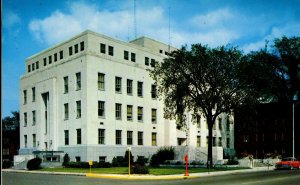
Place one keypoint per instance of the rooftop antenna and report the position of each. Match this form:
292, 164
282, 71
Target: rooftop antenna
134, 18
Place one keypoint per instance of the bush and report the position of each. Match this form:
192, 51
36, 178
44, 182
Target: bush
232, 162
165, 153
139, 169
125, 162
104, 165
34, 164
141, 160
118, 161
6, 164
66, 159
154, 162
78, 165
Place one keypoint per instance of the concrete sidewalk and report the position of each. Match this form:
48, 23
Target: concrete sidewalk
148, 177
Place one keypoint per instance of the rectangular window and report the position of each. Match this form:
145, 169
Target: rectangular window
28, 68
153, 91
129, 87
78, 131
70, 50
66, 137
82, 46
33, 94
111, 50
220, 123
66, 107
32, 65
25, 141
219, 141
118, 83
76, 48
101, 110
77, 158
132, 57
33, 118
61, 55
126, 55
101, 78
154, 140
50, 59
25, 119
129, 137
140, 89
118, 111
25, 96
78, 81
146, 61
118, 137
140, 138
66, 84
102, 48
101, 136
140, 114
102, 159
37, 64
214, 141
33, 140
198, 141
198, 121
78, 109
152, 63
45, 61
153, 115
129, 112
55, 57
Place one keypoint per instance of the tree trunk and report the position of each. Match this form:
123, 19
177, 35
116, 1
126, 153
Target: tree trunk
210, 123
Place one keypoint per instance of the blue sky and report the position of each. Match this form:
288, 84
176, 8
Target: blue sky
33, 25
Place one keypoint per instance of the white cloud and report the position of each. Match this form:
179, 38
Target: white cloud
11, 19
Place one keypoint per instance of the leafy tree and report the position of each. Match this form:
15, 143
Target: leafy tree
11, 122
200, 80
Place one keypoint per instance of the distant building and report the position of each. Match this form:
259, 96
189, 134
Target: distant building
266, 130
92, 97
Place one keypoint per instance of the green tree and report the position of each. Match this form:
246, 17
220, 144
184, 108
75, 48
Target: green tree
200, 80
11, 122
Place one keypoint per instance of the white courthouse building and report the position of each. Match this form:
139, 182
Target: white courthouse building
92, 97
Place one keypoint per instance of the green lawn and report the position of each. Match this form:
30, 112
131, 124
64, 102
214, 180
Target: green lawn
124, 170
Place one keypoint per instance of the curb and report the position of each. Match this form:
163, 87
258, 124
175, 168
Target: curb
139, 177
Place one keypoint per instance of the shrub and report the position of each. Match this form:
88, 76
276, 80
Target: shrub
34, 164
6, 164
141, 160
139, 169
125, 162
165, 153
118, 161
79, 165
66, 159
232, 162
154, 162
104, 165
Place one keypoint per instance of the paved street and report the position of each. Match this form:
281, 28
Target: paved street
257, 178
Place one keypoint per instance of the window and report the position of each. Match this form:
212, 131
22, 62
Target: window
152, 63
198, 121
66, 107
101, 136
154, 142
129, 112
126, 55
220, 123
146, 61
25, 119
78, 131
76, 48
28, 68
33, 118
111, 50
132, 57
81, 46
45, 61
140, 138
219, 141
102, 159
66, 84
78, 109
198, 141
50, 59
55, 57
118, 84
214, 141
153, 115
228, 125
25, 141
25, 96
33, 94
153, 91
160, 51
118, 137
101, 78
78, 81
101, 109
102, 48
77, 158
129, 137
66, 137
129, 87
33, 140
32, 65
140, 114
140, 89
37, 64
61, 55
118, 111
70, 50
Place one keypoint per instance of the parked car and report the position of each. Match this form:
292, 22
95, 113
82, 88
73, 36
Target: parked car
288, 163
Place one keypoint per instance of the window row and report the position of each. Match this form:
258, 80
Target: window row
77, 80
76, 48
25, 117
78, 136
33, 97
78, 110
33, 141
